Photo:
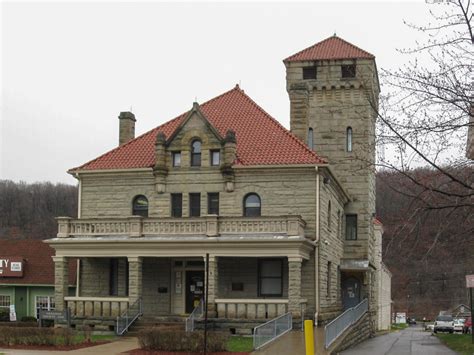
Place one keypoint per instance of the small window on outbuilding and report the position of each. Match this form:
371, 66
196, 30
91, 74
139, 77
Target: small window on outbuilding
140, 206
348, 71
309, 73
252, 205
196, 153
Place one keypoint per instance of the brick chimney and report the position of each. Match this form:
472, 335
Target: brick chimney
127, 127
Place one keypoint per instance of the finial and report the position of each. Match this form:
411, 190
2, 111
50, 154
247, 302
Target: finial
334, 35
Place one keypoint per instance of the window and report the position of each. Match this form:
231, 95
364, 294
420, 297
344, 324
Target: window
213, 203
339, 217
194, 205
310, 139
140, 206
176, 205
44, 303
328, 279
351, 227
348, 71
349, 139
329, 215
196, 153
215, 157
338, 286
4, 301
113, 277
252, 205
309, 73
176, 158
270, 277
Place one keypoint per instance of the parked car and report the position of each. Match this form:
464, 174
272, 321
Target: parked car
429, 327
467, 328
444, 323
459, 324
411, 321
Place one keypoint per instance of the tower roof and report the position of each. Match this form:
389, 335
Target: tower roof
261, 140
331, 48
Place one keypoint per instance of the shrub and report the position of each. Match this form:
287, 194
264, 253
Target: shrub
4, 315
28, 319
35, 336
178, 340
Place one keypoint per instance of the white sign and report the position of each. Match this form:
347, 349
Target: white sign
400, 317
470, 281
12, 313
15, 266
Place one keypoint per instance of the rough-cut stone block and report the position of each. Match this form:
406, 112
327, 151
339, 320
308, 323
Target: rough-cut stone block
231, 310
241, 310
251, 311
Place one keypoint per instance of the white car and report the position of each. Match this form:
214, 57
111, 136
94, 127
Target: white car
444, 323
458, 325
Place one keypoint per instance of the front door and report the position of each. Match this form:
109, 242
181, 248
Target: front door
350, 292
194, 289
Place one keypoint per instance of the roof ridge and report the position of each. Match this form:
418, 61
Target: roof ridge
280, 126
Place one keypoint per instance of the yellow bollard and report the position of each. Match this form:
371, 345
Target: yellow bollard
309, 337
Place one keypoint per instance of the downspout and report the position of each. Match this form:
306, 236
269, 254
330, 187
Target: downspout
316, 253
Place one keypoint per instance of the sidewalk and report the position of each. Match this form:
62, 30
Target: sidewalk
116, 347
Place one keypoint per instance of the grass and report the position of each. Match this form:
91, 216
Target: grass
240, 344
461, 343
398, 326
80, 338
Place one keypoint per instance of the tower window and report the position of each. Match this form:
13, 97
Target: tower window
349, 139
140, 206
351, 227
348, 71
310, 139
309, 73
196, 153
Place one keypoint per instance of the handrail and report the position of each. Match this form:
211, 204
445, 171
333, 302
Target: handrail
346, 319
125, 320
271, 330
197, 312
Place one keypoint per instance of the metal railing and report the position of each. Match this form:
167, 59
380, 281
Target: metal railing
126, 319
271, 330
197, 312
339, 325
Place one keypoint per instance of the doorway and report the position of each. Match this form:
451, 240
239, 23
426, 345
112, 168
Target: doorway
194, 289
350, 292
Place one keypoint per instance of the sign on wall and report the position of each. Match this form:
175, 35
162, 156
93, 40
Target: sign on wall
470, 281
11, 266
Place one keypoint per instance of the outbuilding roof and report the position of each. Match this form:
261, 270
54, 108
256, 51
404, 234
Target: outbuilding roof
38, 267
331, 48
261, 139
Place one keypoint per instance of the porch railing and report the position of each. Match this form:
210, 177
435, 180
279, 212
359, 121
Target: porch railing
339, 325
126, 319
197, 312
271, 330
105, 307
251, 308
212, 225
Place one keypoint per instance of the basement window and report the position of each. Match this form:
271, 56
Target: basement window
348, 71
309, 73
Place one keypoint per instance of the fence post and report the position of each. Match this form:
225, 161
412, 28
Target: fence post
309, 337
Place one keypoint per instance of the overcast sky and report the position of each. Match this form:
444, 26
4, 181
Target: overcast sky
68, 69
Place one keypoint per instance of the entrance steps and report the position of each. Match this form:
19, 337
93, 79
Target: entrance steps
147, 322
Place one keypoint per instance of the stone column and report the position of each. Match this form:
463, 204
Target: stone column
294, 286
135, 277
213, 285
61, 281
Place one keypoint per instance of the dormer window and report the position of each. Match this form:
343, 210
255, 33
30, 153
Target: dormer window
196, 153
348, 71
176, 158
309, 73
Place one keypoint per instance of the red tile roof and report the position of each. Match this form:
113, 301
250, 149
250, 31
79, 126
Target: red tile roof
261, 140
38, 264
378, 222
330, 48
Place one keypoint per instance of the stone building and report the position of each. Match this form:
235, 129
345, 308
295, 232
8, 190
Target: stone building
287, 217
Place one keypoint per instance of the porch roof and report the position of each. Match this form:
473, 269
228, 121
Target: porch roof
184, 246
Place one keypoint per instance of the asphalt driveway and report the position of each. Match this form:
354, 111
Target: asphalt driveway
410, 341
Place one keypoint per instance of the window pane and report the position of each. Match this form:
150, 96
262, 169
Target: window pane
196, 153
176, 205
349, 139
348, 71
351, 227
270, 286
213, 203
310, 139
309, 73
194, 205
270, 268
140, 206
252, 205
4, 301
177, 159
215, 157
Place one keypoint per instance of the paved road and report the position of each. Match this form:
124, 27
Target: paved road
410, 341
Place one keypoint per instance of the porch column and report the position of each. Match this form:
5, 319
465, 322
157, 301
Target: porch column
61, 281
213, 285
294, 286
134, 278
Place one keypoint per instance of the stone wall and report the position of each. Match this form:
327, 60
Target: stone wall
157, 274
94, 277
356, 334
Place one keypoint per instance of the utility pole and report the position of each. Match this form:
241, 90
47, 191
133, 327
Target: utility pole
206, 304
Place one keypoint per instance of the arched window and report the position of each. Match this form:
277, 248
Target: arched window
310, 139
140, 206
329, 215
252, 205
349, 139
196, 153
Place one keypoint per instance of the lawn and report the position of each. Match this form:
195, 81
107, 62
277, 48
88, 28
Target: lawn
461, 343
240, 344
398, 326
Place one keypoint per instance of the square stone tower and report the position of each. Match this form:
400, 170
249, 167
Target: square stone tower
334, 90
